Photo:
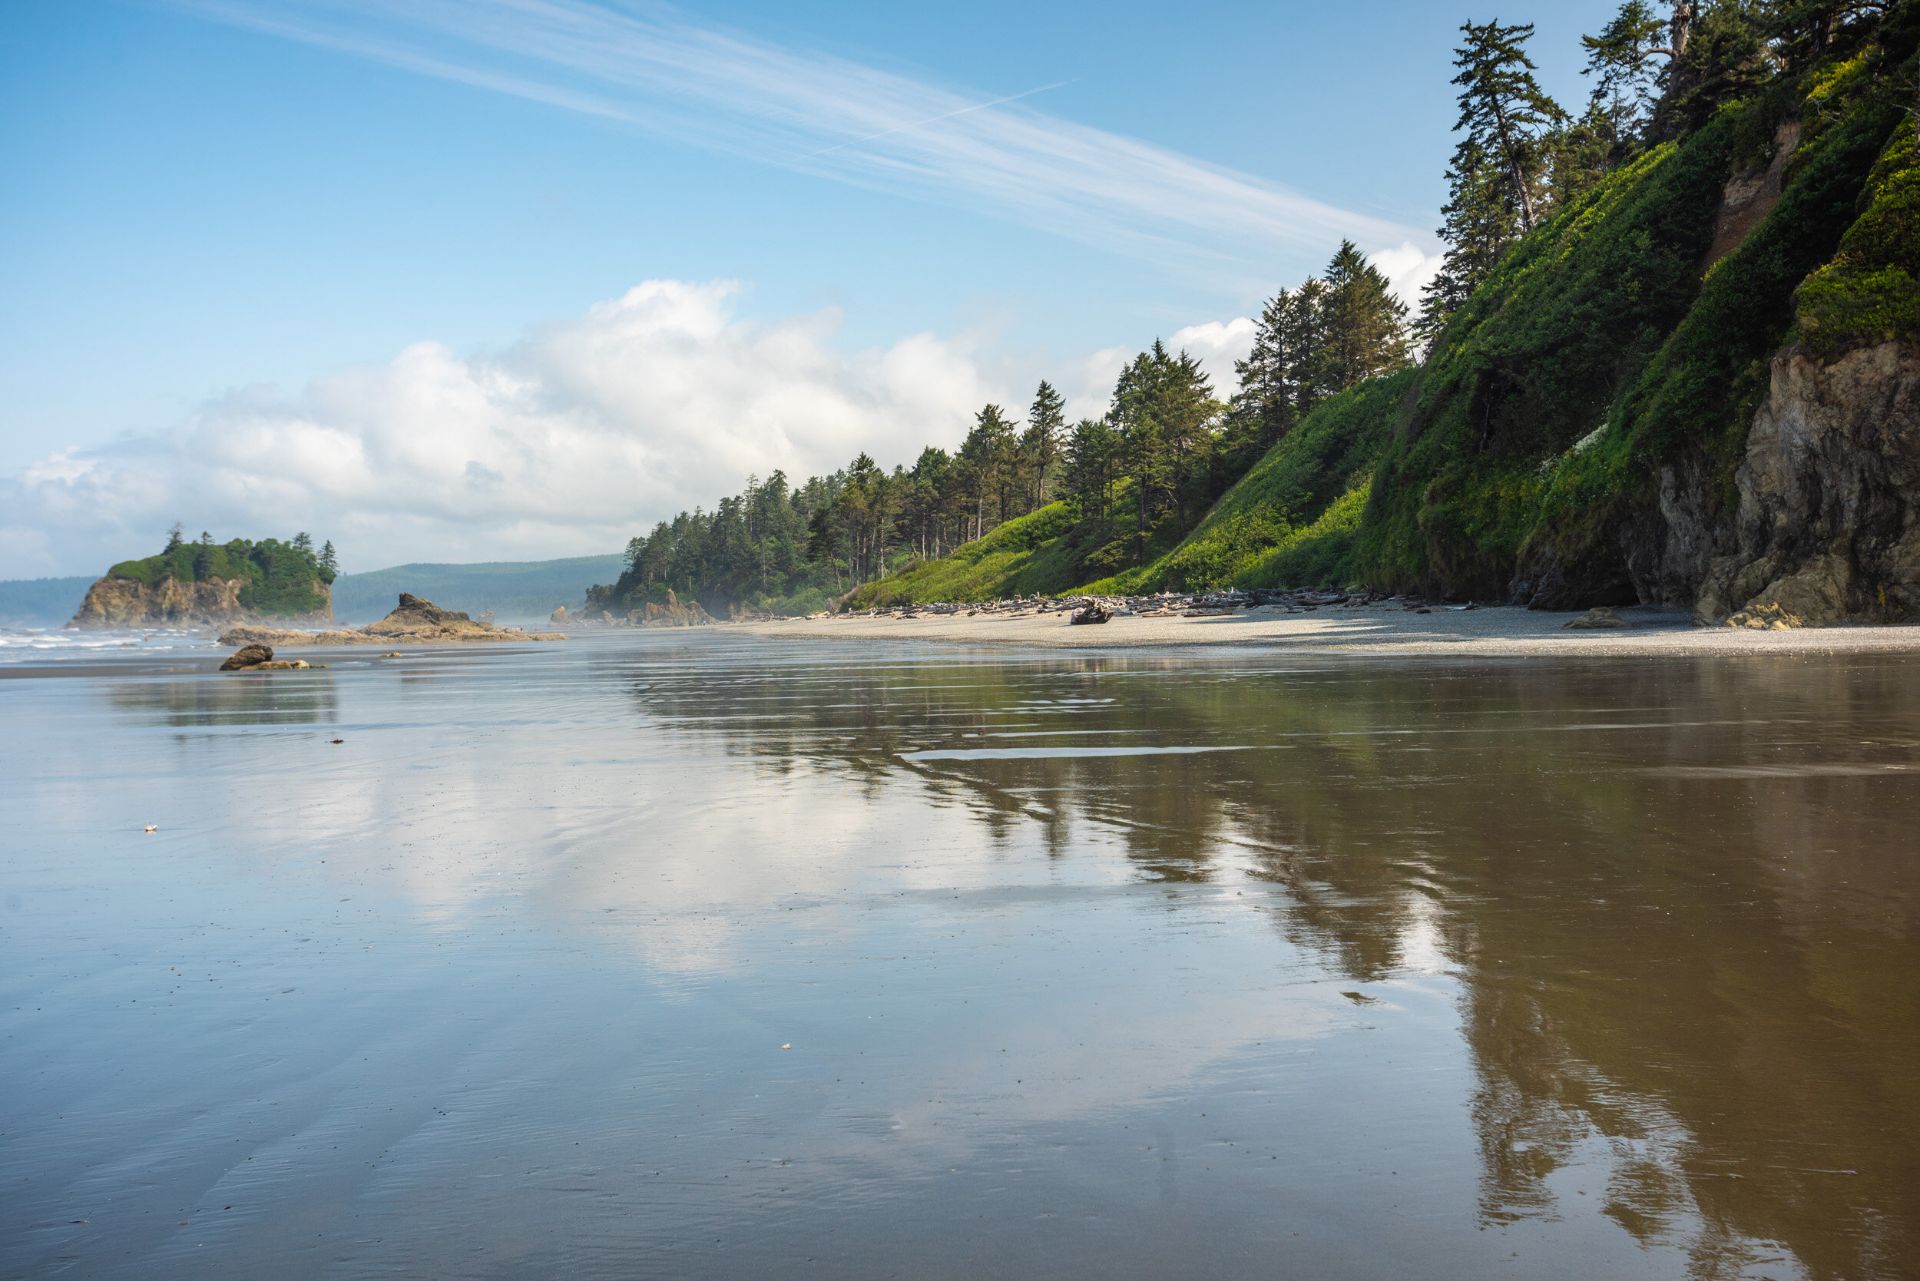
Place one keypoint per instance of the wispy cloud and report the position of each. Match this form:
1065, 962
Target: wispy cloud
819, 113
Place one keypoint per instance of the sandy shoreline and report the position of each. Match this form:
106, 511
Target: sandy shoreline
1389, 630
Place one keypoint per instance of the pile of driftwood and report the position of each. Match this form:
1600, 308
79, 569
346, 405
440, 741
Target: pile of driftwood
1099, 609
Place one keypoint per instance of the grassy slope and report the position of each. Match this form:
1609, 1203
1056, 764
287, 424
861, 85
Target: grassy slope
1698, 395
1531, 363
1868, 293
1595, 354
1275, 522
1026, 554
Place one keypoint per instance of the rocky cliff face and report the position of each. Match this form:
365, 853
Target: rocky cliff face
124, 603
1829, 519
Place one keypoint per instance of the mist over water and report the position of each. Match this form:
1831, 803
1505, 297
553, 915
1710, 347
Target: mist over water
701, 955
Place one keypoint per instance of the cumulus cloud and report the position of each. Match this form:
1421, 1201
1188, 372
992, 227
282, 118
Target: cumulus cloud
1409, 269
566, 442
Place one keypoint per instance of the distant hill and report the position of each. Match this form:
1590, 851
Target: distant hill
40, 602
513, 590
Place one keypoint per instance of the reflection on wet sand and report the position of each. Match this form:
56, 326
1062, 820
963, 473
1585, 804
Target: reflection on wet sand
1681, 901
700, 956
209, 699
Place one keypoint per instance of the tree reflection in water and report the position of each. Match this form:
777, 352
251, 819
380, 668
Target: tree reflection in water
1678, 898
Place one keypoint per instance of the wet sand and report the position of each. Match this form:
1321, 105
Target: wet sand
701, 954
1385, 630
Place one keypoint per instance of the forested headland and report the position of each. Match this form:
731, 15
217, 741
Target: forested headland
1673, 356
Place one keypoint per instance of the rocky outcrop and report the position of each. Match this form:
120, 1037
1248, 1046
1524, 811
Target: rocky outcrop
414, 621
1750, 196
122, 602
1829, 518
247, 656
559, 616
1601, 618
672, 613
172, 602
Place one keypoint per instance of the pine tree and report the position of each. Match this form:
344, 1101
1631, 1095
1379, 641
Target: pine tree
1504, 112
1043, 441
1494, 181
303, 542
328, 561
1092, 455
1625, 79
176, 537
1364, 326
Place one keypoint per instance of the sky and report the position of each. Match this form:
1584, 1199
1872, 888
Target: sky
510, 279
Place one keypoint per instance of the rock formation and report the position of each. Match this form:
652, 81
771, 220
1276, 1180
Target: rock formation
1829, 520
414, 621
171, 602
248, 656
673, 613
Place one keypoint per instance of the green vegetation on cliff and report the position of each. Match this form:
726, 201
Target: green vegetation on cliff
279, 579
1745, 178
1290, 519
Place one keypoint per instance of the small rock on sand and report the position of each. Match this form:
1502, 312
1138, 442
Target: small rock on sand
248, 656
1599, 618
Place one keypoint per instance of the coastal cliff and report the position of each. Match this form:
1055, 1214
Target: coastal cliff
205, 584
123, 602
1828, 527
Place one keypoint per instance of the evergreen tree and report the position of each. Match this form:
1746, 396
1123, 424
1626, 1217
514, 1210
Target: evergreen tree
1625, 81
1495, 180
176, 537
1363, 325
203, 557
1504, 112
1043, 441
1477, 228
1093, 452
1261, 410
328, 561
303, 542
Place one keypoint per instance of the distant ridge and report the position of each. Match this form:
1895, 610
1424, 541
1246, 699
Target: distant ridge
513, 590
38, 602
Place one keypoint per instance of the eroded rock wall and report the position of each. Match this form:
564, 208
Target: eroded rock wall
1829, 518
121, 602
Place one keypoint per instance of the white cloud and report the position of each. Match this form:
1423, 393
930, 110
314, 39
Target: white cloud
814, 112
1408, 269
565, 443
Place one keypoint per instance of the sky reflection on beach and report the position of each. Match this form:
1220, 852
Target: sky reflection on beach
699, 955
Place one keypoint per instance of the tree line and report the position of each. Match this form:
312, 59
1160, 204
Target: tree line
1149, 466
1167, 445
1521, 155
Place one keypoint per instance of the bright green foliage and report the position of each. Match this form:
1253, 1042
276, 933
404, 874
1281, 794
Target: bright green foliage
1869, 292
1023, 555
1288, 491
277, 578
1698, 395
1580, 346
1531, 363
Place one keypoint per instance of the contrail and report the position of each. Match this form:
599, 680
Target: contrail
930, 120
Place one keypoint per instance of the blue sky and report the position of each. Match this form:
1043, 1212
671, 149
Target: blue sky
260, 255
